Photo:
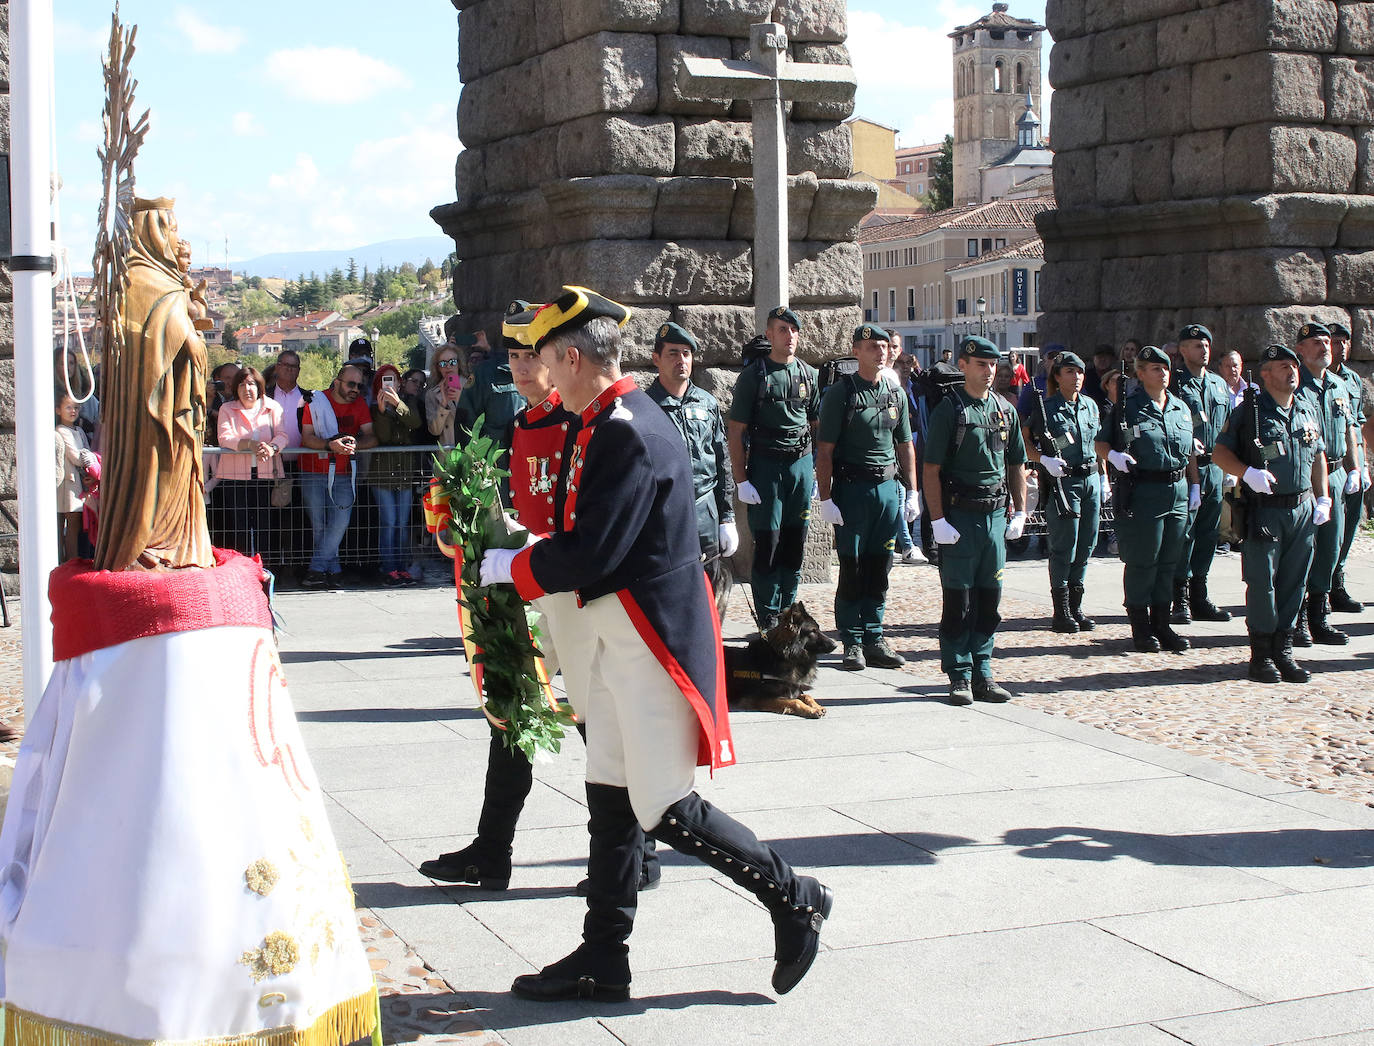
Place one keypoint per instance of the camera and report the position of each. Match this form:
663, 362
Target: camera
217, 385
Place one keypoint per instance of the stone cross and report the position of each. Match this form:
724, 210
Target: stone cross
767, 82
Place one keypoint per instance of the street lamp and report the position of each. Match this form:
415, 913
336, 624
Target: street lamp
376, 334
982, 306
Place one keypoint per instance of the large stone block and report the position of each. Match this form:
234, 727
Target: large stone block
671, 50
1199, 164
801, 190
1075, 177
827, 330
470, 173
1065, 19
1124, 52
1249, 328
7, 393
647, 271
1077, 117
824, 148
548, 27
819, 20
1356, 29
637, 337
584, 17
1350, 90
1362, 342
1351, 276
1124, 103
1135, 283
505, 103
1071, 285
826, 273
604, 143
1256, 87
604, 72
1364, 156
1168, 102
525, 160
693, 208
1357, 226
1071, 63
720, 330
1245, 26
838, 207
610, 207
1265, 275
1276, 158
821, 54
715, 148
1102, 15
505, 33
1187, 38
1285, 219
1115, 182
469, 47
1152, 170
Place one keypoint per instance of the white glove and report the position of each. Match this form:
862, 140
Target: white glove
1054, 466
830, 513
943, 533
1228, 481
911, 509
1016, 526
496, 563
1106, 485
729, 539
1352, 481
1261, 481
748, 494
1194, 496
1322, 513
86, 458
1120, 460
1198, 448
1364, 478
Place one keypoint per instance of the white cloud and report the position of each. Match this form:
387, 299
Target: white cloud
246, 125
340, 75
301, 180
203, 37
70, 35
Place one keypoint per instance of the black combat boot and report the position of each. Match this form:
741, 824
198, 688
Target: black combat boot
599, 968
1180, 615
1161, 629
798, 904
1301, 637
1203, 608
1085, 624
1290, 670
1262, 668
1341, 602
1141, 637
1064, 621
1320, 627
485, 862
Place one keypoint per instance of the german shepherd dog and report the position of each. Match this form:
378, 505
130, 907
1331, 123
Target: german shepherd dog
772, 673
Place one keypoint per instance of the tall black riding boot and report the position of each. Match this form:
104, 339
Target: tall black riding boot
1161, 629
1318, 623
1301, 637
799, 904
1180, 615
1141, 637
1341, 601
1064, 620
599, 968
1262, 668
485, 862
1085, 624
1203, 608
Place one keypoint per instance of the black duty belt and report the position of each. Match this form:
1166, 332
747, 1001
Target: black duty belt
1204, 460
1085, 469
782, 453
1331, 466
971, 497
1282, 500
864, 473
1158, 475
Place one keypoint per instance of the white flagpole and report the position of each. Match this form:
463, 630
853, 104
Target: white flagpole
31, 264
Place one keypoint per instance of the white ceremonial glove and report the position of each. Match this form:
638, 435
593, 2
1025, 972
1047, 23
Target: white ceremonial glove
1364, 478
729, 540
1322, 513
1016, 526
943, 533
815, 491
1198, 448
1106, 485
911, 509
748, 494
496, 566
1120, 460
1228, 481
1054, 466
1194, 496
86, 458
1352, 481
830, 513
1261, 481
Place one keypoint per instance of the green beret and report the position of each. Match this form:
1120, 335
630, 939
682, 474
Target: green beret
1194, 330
782, 312
978, 348
575, 308
1282, 353
868, 332
676, 334
1067, 359
1339, 330
1313, 329
1152, 354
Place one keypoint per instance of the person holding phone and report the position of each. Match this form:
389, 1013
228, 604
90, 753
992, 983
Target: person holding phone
392, 473
441, 398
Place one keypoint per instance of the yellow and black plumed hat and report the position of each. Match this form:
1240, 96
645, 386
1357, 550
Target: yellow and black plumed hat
576, 307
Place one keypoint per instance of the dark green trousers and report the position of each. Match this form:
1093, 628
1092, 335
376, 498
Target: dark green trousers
1072, 540
1327, 543
971, 576
1275, 571
1149, 541
1354, 508
779, 525
1203, 530
864, 546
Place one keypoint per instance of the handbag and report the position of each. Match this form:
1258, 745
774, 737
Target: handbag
281, 492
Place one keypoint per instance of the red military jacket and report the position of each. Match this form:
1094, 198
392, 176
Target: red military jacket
537, 449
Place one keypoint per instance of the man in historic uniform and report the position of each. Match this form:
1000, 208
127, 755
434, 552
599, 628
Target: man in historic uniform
776, 404
864, 435
652, 693
1341, 600
974, 458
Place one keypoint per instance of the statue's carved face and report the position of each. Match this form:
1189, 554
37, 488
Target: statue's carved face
183, 252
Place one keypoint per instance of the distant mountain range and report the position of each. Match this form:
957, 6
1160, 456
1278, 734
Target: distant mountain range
289, 265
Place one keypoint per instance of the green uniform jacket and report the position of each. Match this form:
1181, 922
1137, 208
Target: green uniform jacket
865, 420
1290, 440
778, 416
492, 393
1208, 399
696, 414
991, 439
1159, 440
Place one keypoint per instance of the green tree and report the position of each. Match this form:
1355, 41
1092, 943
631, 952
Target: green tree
352, 277
942, 177
255, 306
231, 341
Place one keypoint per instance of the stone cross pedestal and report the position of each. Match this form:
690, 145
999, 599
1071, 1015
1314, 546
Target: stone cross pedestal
766, 82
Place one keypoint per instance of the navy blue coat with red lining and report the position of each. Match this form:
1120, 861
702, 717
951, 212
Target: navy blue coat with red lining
629, 528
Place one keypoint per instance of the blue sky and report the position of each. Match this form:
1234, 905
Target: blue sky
304, 125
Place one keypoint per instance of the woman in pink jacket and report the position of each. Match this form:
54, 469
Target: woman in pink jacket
251, 439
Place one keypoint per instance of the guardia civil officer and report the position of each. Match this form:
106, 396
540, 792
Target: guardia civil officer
650, 690
1148, 439
696, 414
1341, 600
1273, 441
776, 405
1209, 400
1061, 442
974, 458
864, 435
1329, 398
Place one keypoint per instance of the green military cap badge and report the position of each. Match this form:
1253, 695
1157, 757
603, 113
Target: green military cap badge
1067, 359
518, 306
575, 308
782, 312
676, 334
868, 332
1313, 329
978, 348
1194, 330
1152, 354
1281, 353
1339, 330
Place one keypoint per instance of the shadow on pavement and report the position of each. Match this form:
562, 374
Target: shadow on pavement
1276, 848
382, 895
387, 715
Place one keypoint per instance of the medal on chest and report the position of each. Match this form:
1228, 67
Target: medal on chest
540, 480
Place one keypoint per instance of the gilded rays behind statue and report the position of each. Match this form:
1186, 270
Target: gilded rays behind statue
154, 369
